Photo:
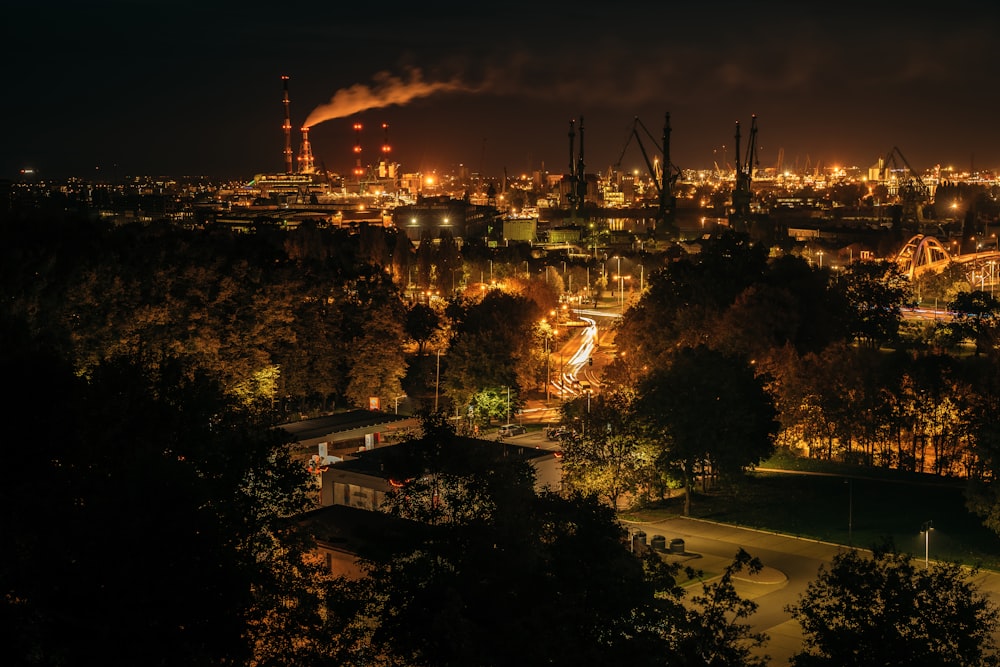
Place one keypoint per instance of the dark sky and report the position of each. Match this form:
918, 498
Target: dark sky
183, 88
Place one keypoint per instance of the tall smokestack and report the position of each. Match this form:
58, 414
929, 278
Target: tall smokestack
287, 127
306, 165
385, 170
358, 171
572, 139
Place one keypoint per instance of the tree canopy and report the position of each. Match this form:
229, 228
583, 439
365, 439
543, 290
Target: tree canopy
711, 411
885, 610
153, 519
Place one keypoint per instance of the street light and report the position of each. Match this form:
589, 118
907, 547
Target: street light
926, 530
546, 334
395, 403
437, 381
560, 370
850, 512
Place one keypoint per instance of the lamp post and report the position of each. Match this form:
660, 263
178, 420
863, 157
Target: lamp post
437, 380
395, 403
548, 371
850, 513
560, 372
926, 530
621, 286
508, 405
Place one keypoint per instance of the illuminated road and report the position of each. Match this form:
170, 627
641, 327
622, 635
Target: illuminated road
575, 358
710, 547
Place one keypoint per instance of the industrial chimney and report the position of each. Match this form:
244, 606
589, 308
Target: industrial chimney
287, 127
306, 165
358, 170
385, 168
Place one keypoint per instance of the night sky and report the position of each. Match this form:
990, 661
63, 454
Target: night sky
109, 89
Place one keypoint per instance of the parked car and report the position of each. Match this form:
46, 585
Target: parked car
557, 432
508, 430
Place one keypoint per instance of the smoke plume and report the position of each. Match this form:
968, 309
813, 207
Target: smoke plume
386, 90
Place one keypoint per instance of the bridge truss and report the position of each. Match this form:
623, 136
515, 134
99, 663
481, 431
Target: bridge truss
922, 254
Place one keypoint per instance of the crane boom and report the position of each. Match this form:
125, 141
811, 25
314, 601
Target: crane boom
663, 178
740, 215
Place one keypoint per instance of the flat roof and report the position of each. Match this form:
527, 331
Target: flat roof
372, 462
344, 425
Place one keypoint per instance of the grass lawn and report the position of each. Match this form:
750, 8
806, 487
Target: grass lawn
851, 505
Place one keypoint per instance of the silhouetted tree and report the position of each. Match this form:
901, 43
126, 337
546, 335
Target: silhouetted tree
152, 523
711, 412
422, 322
875, 292
498, 563
884, 610
976, 316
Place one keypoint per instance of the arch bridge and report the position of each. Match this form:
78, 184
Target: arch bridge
926, 253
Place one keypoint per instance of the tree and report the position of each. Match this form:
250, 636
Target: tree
884, 610
976, 317
685, 299
875, 292
447, 260
717, 632
422, 322
372, 322
490, 347
497, 563
712, 413
606, 457
155, 523
983, 494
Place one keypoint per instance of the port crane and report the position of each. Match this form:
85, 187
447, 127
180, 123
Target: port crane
910, 190
739, 216
577, 173
664, 178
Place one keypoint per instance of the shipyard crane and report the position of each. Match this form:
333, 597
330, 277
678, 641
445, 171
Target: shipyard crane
739, 217
910, 191
577, 177
664, 178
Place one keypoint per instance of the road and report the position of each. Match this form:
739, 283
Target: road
790, 563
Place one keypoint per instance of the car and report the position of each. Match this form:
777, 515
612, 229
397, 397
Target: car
557, 432
508, 430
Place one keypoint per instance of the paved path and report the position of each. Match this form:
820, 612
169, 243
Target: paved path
790, 563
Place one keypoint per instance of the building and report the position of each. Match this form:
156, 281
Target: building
362, 479
432, 217
520, 229
349, 430
343, 535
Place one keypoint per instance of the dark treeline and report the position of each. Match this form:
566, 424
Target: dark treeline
315, 318
156, 524
296, 316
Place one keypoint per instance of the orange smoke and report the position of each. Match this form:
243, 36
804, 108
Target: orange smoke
385, 91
